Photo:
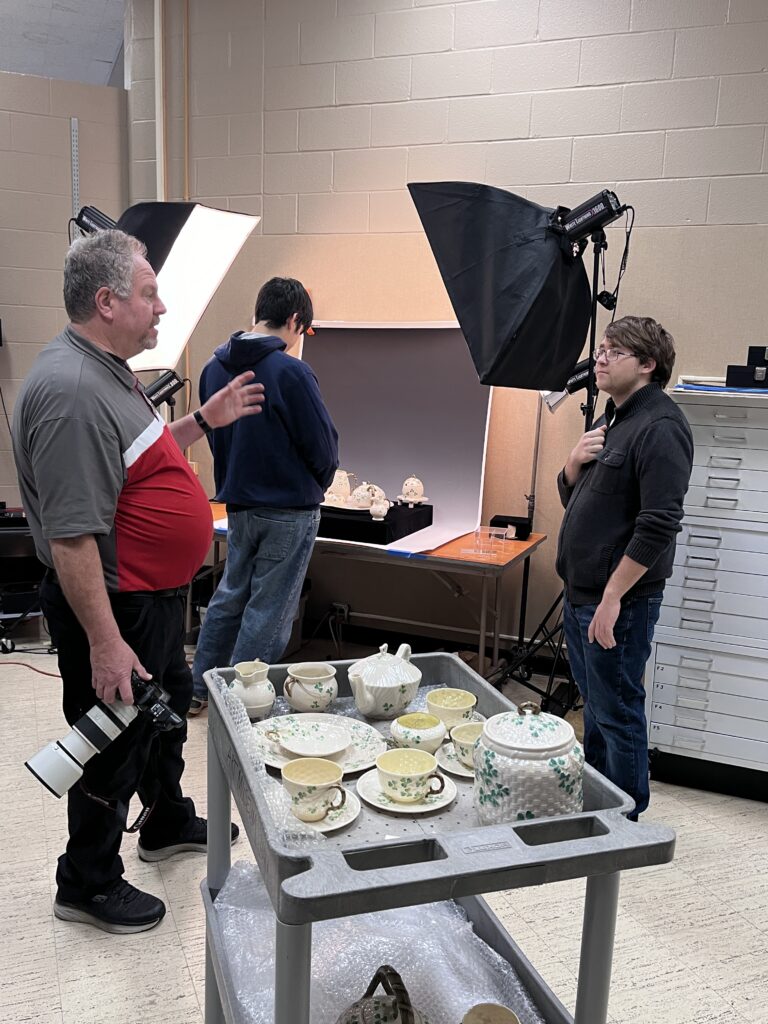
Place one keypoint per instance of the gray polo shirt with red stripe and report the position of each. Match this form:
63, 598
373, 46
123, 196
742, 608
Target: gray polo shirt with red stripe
94, 458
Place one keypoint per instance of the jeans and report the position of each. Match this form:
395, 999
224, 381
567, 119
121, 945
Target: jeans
251, 613
141, 760
611, 686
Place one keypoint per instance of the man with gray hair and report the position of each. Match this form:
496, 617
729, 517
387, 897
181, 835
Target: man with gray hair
122, 524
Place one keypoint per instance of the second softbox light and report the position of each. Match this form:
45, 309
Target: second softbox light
521, 297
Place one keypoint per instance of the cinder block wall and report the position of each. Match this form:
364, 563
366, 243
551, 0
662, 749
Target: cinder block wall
316, 113
35, 206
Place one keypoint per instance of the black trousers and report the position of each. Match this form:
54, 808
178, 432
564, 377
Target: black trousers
141, 760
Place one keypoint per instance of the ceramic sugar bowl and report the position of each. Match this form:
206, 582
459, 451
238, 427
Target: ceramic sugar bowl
384, 684
426, 732
393, 1005
527, 765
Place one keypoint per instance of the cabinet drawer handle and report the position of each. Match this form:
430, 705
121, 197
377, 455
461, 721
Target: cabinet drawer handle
721, 502
697, 583
699, 604
691, 702
739, 438
698, 624
738, 417
693, 682
691, 742
688, 661
703, 561
724, 461
706, 540
689, 723
723, 481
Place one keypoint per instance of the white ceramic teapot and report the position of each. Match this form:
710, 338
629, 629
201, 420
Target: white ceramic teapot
393, 1005
384, 684
364, 495
253, 688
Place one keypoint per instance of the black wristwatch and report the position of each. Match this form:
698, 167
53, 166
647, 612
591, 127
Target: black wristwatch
200, 420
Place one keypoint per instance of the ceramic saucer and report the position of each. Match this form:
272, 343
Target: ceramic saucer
369, 789
476, 717
338, 819
449, 762
365, 744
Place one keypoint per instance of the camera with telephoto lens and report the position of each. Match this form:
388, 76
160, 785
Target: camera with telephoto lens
59, 765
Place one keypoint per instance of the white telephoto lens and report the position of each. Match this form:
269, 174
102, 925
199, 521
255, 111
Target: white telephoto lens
55, 768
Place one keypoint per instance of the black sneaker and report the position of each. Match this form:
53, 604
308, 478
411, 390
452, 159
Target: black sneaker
198, 704
194, 840
122, 909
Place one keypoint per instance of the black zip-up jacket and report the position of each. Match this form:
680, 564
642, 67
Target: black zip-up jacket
629, 501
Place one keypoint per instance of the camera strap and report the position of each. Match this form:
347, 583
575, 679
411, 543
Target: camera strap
120, 808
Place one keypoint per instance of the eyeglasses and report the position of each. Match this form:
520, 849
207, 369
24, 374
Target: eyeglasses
609, 354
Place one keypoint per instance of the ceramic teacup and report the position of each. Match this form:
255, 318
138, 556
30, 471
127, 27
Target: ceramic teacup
452, 706
464, 738
408, 776
310, 686
249, 672
426, 732
314, 786
490, 1013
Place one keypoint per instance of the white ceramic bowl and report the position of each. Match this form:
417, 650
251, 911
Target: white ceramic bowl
425, 732
330, 743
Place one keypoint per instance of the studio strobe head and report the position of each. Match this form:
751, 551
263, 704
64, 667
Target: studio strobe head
59, 765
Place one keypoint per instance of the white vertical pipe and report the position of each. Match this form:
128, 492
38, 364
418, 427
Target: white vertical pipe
160, 175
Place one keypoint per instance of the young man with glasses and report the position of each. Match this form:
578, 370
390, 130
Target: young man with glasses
622, 489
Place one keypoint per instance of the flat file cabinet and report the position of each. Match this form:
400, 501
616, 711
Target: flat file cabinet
707, 677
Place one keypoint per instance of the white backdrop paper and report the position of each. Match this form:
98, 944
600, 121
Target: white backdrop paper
406, 400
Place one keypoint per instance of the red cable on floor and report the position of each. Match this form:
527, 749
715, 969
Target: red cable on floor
23, 664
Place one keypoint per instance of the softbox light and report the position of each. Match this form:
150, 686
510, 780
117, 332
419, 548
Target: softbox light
521, 298
190, 248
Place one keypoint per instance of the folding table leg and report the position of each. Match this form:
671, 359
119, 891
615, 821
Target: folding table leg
293, 966
600, 907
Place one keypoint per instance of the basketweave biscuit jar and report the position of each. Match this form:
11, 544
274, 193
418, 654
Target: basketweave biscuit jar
528, 764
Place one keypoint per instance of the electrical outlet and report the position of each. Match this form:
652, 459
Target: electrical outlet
340, 611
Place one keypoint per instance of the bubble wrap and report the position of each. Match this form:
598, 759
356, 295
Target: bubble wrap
291, 831
444, 965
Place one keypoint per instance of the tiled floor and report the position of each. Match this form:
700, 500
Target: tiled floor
692, 941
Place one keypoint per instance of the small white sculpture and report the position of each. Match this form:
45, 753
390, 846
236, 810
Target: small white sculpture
341, 487
413, 492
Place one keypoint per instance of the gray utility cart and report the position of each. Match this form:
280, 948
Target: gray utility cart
436, 857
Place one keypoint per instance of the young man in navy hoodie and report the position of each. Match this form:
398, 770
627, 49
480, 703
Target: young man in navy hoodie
272, 474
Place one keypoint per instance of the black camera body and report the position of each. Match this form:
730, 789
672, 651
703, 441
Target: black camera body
152, 701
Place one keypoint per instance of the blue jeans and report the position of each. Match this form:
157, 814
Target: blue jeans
251, 614
611, 686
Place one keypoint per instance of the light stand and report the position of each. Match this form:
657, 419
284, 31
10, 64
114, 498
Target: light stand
549, 633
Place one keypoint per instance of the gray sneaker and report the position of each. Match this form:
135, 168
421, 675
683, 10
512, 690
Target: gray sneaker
198, 704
